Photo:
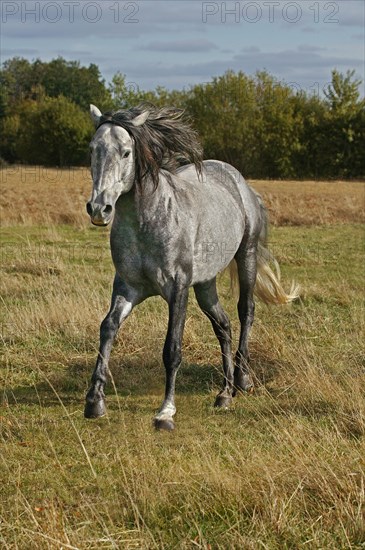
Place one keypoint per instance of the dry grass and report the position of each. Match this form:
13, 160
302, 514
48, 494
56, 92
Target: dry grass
282, 469
313, 202
64, 193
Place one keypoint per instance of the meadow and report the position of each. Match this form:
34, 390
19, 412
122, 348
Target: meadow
284, 468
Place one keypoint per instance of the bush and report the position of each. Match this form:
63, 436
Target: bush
54, 132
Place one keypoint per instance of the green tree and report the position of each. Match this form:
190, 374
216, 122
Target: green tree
257, 124
128, 94
343, 93
307, 160
223, 112
344, 140
82, 85
54, 132
250, 122
24, 87
278, 127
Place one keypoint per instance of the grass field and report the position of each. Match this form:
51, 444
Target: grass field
283, 469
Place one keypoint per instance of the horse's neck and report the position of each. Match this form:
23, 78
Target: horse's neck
148, 198
140, 204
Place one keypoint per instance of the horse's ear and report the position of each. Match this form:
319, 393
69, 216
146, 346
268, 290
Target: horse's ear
140, 119
95, 114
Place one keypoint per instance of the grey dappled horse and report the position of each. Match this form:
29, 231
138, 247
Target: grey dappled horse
175, 225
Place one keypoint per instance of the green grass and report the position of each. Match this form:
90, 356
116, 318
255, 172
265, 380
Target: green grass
283, 469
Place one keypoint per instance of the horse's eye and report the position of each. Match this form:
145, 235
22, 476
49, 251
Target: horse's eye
126, 154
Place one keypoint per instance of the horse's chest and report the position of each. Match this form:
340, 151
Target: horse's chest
140, 257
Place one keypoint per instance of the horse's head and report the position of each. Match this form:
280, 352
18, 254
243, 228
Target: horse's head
112, 166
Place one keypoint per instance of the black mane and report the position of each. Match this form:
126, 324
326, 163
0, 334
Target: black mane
163, 142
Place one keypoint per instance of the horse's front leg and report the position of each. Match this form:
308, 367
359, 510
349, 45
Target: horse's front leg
172, 355
123, 300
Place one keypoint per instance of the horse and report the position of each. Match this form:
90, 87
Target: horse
176, 222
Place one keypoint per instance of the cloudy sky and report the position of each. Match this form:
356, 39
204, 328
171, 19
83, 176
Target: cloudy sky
176, 43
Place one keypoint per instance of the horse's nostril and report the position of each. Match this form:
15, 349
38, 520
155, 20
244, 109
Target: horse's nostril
108, 209
89, 210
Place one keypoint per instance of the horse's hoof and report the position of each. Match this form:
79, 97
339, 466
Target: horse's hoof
95, 409
223, 401
164, 424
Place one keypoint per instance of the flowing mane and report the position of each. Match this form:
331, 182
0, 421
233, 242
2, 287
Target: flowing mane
164, 142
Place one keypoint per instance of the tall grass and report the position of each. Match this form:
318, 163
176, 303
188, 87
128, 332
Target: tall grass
284, 468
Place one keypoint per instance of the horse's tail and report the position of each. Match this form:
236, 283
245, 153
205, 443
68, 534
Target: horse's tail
268, 287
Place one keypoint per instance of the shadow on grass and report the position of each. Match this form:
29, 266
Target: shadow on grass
131, 378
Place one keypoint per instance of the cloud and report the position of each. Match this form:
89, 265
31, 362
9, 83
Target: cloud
21, 52
310, 48
251, 49
294, 61
109, 19
310, 30
137, 49
303, 70
351, 14
180, 46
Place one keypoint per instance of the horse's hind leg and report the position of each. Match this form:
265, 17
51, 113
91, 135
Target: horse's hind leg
206, 295
123, 300
246, 259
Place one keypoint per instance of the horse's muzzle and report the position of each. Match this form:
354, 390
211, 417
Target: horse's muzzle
100, 215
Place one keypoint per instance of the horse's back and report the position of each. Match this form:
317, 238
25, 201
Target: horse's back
227, 212
229, 192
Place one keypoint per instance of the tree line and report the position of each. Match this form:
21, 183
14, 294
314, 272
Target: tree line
262, 126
